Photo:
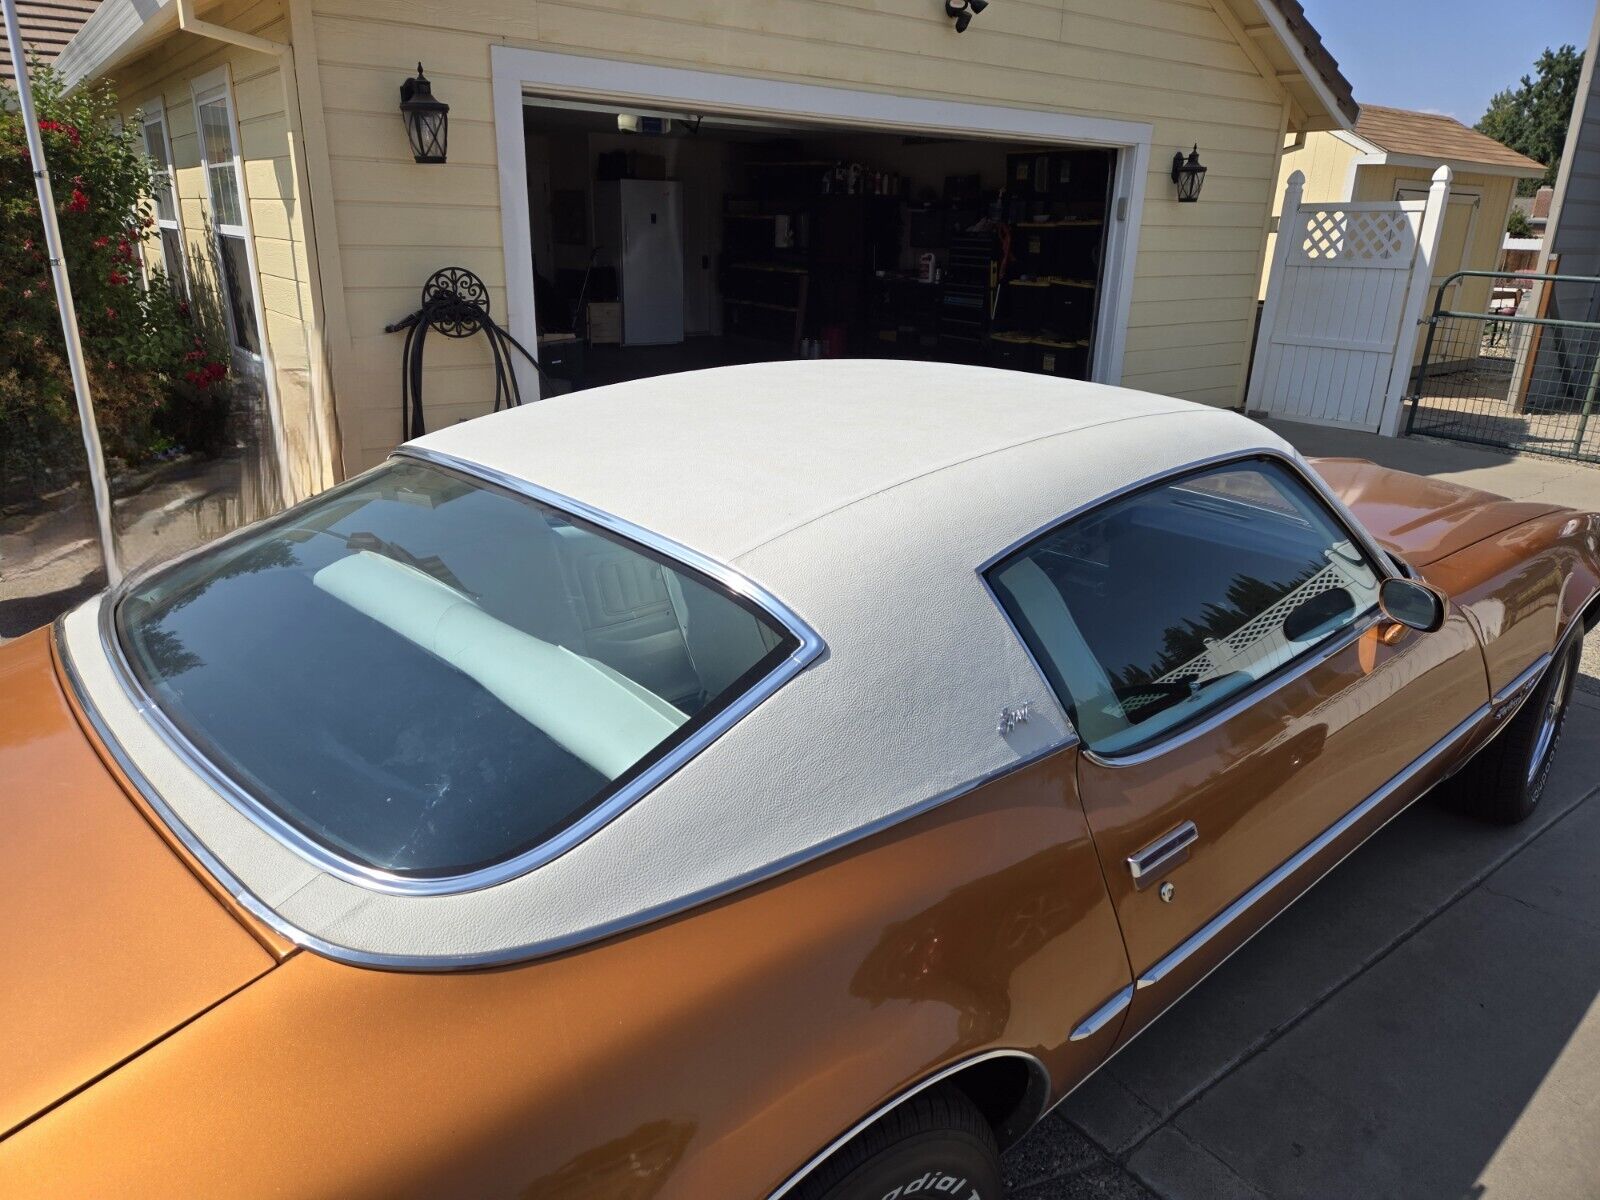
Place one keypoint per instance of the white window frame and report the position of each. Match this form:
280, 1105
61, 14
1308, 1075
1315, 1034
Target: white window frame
208, 89
154, 112
515, 71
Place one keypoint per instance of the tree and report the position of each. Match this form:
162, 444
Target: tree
1518, 225
1532, 118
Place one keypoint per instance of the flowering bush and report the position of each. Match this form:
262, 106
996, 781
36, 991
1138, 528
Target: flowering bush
136, 340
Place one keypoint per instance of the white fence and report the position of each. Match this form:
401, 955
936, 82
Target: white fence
1348, 284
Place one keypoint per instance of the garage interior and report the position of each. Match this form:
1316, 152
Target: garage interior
666, 241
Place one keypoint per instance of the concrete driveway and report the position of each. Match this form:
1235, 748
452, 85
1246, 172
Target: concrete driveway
1423, 1024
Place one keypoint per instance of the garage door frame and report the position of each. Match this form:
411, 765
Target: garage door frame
515, 71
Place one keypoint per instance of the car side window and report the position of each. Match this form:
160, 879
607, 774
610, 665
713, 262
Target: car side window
1154, 609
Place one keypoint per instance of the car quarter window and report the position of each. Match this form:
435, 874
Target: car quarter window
428, 675
1155, 608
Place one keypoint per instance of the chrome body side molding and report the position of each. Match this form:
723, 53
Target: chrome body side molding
1104, 1015
1208, 932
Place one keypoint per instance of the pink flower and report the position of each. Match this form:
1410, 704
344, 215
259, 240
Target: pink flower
79, 202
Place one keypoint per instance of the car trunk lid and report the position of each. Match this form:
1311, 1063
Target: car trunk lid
111, 941
1421, 519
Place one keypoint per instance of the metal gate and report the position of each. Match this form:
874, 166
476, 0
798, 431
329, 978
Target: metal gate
1514, 374
1348, 284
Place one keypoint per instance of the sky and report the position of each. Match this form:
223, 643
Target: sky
1447, 56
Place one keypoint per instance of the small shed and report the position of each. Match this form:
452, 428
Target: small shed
1391, 154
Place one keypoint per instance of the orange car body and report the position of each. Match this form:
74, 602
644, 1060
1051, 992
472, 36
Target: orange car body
164, 1042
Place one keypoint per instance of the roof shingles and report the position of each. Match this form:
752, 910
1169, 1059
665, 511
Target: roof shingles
1430, 135
47, 26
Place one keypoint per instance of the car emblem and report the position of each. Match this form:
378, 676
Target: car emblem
1013, 716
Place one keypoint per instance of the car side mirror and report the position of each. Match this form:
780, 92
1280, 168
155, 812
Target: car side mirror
1414, 605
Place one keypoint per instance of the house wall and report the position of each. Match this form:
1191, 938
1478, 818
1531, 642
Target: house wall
1177, 64
1326, 161
1483, 241
269, 183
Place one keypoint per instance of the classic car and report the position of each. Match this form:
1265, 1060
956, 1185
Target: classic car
779, 781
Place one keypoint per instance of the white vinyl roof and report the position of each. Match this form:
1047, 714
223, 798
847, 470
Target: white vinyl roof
732, 459
862, 495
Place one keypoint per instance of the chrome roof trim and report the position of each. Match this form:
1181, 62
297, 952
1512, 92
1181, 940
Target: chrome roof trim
509, 955
1036, 1070
810, 647
1291, 671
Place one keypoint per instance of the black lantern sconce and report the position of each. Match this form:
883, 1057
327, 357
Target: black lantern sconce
962, 11
1189, 175
427, 120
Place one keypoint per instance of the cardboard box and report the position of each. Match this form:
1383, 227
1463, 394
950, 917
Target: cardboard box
605, 322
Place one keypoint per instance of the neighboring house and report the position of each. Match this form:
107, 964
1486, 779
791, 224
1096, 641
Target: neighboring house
1391, 154
1536, 208
1574, 233
47, 26
305, 189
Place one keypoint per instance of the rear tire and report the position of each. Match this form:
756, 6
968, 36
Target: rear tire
1504, 781
937, 1145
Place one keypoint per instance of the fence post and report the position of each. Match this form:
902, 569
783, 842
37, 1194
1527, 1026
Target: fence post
1416, 296
1290, 230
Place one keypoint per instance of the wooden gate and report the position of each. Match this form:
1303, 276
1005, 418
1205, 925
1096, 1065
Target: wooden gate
1338, 334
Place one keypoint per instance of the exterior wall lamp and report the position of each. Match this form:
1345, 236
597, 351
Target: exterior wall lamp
962, 11
1189, 175
427, 120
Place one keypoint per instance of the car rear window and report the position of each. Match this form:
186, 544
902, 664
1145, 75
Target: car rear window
426, 675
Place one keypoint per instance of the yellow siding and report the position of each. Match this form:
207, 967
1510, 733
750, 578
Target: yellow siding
1172, 63
1487, 231
1326, 162
165, 73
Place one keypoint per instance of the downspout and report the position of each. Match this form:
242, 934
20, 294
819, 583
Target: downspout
284, 52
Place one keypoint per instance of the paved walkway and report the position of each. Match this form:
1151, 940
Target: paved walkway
1423, 1024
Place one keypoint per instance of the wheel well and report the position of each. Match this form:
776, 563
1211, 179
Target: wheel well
1591, 615
1010, 1090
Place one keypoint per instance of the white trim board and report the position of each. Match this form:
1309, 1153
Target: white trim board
515, 71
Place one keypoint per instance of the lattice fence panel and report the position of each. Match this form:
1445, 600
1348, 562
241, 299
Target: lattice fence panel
1354, 239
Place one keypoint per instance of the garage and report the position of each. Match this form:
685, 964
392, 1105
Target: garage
666, 240
664, 227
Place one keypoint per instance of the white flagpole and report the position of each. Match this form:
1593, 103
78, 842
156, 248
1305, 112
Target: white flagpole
69, 314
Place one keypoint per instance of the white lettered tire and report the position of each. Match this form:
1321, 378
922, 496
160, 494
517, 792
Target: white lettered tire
936, 1146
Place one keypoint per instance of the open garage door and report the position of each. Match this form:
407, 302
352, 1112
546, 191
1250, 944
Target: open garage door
667, 236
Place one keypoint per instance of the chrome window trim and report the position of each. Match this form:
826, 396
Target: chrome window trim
1380, 559
809, 647
1036, 1069
1208, 932
510, 955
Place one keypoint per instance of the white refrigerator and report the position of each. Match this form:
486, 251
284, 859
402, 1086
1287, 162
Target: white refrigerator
638, 224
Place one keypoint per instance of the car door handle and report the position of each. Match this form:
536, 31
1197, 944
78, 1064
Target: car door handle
1167, 850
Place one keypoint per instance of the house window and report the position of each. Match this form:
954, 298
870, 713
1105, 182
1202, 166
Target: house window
219, 156
158, 148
